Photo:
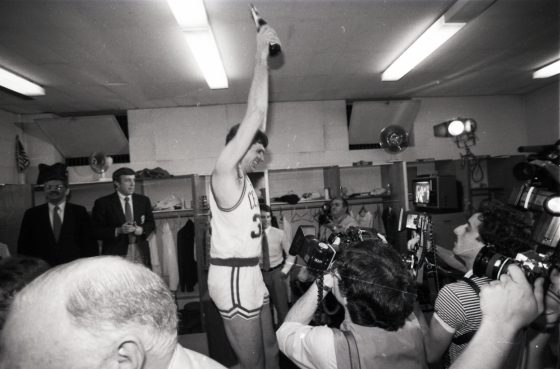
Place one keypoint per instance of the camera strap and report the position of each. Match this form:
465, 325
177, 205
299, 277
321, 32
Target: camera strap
471, 283
467, 336
346, 349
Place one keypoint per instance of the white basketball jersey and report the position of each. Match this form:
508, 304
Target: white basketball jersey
236, 232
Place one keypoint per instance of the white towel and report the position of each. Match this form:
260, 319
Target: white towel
154, 254
170, 266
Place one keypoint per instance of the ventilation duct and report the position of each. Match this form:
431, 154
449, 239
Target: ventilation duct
78, 137
368, 118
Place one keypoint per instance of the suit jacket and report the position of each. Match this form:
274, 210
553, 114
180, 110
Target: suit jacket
36, 237
188, 276
108, 214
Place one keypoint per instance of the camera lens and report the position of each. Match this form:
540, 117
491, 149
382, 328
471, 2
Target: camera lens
490, 263
334, 239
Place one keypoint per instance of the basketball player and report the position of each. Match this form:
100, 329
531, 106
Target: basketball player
235, 281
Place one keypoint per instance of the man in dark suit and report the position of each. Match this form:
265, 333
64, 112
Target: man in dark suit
124, 220
58, 231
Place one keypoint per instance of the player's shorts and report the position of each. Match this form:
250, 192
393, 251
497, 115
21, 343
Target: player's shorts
237, 288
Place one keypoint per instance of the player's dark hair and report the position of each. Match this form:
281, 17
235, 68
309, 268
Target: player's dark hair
260, 136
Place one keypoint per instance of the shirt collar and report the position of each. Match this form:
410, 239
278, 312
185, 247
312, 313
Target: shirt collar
122, 197
174, 358
61, 206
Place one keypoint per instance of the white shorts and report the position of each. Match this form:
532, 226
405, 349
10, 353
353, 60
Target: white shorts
237, 291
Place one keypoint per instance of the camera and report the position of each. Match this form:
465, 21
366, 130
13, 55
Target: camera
320, 256
542, 166
545, 206
492, 264
413, 221
325, 214
539, 196
317, 255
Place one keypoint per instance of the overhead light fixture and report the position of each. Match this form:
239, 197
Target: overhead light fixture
427, 43
550, 70
19, 84
193, 20
206, 53
190, 14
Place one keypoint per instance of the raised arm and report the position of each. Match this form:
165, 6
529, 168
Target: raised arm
225, 171
507, 306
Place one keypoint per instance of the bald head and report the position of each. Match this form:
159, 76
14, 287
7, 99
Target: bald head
86, 313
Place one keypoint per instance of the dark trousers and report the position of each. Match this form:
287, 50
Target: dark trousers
278, 293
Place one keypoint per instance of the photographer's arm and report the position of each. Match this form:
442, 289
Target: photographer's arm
307, 346
542, 329
304, 308
436, 338
507, 306
290, 259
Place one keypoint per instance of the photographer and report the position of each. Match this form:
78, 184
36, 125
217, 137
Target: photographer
377, 291
457, 313
339, 219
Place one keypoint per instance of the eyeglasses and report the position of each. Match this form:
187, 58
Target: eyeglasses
53, 187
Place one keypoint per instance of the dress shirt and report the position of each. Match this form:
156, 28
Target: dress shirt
315, 347
121, 198
61, 207
278, 242
309, 347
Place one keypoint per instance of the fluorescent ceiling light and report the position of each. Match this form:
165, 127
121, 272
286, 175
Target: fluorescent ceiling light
191, 17
190, 14
548, 71
427, 43
205, 51
19, 84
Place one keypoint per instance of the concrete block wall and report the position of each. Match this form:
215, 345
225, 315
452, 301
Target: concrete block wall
187, 140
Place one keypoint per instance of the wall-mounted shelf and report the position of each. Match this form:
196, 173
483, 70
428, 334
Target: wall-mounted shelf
317, 203
161, 214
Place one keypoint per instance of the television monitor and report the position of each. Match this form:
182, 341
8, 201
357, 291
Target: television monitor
437, 192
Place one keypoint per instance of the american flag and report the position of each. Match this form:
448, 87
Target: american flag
22, 160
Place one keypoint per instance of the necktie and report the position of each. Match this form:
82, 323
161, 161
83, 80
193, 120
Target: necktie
265, 255
129, 218
57, 223
128, 210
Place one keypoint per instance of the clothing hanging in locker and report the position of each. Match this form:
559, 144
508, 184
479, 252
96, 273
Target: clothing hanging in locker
188, 276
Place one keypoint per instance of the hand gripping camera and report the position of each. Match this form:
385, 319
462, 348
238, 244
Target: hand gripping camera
320, 256
492, 264
540, 196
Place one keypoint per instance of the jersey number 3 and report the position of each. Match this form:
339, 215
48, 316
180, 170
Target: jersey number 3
257, 219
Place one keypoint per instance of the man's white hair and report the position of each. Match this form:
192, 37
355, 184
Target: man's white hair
108, 294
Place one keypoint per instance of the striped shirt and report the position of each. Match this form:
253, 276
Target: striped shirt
457, 309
